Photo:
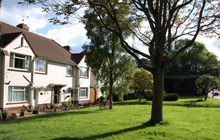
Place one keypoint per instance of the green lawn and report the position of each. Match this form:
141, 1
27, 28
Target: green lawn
128, 120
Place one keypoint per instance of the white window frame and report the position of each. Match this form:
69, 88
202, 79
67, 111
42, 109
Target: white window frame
25, 58
13, 89
86, 91
87, 72
67, 67
36, 69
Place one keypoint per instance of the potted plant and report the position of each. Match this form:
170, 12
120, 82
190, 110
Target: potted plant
4, 115
22, 110
55, 107
35, 111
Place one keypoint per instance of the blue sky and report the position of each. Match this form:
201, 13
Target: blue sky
73, 34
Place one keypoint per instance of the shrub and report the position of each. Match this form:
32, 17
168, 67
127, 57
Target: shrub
170, 97
22, 110
166, 96
149, 95
69, 102
52, 106
101, 99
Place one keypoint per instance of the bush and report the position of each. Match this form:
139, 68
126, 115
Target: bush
149, 95
170, 97
166, 96
102, 99
52, 106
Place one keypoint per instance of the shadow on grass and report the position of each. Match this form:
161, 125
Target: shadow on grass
51, 115
133, 103
109, 134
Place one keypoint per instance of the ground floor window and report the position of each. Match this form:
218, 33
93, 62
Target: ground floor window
83, 93
17, 94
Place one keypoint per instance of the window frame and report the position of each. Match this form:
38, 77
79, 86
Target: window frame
25, 91
35, 66
68, 74
87, 72
25, 58
86, 90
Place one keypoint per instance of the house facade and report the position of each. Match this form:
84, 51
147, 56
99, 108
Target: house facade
37, 71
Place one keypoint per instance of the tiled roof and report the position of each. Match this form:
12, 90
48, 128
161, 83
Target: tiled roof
43, 47
7, 38
77, 57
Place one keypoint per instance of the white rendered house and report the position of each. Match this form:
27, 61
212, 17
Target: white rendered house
35, 71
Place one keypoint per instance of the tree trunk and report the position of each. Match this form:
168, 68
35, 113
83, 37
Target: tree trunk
158, 88
110, 89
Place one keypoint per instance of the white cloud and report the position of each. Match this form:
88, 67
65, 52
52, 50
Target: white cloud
212, 44
66, 33
36, 19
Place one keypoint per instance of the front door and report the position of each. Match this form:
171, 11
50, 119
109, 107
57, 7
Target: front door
57, 99
34, 101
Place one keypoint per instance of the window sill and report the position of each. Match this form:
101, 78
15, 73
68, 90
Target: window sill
40, 73
11, 103
84, 77
83, 97
20, 70
69, 76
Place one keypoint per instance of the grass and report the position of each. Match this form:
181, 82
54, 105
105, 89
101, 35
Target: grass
128, 120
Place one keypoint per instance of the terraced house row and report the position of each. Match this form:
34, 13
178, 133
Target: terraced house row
35, 71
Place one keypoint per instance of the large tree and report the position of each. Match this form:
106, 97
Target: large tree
105, 55
155, 23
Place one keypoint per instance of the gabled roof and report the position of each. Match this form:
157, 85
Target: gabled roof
7, 38
43, 47
77, 57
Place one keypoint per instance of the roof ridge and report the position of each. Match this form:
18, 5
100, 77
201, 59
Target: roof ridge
22, 30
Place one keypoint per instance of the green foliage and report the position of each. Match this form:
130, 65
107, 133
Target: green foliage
69, 102
142, 80
53, 106
22, 110
170, 97
149, 95
193, 61
207, 83
166, 96
36, 108
102, 99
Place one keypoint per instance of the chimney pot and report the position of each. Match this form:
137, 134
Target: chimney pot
68, 48
23, 26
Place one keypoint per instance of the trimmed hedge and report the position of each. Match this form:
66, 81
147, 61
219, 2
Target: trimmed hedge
170, 97
166, 96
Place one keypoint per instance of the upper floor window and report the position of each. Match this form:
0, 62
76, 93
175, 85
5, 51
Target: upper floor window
20, 61
84, 72
69, 70
40, 65
17, 94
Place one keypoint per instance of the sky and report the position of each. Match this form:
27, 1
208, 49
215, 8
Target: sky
72, 34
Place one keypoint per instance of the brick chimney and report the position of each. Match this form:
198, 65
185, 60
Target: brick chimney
23, 26
68, 48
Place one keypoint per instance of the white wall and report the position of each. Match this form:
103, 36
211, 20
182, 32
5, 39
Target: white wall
14, 75
84, 82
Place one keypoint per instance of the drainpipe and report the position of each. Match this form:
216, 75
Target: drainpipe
2, 79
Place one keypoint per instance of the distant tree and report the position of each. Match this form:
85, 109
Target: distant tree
195, 60
142, 81
108, 59
192, 63
207, 83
